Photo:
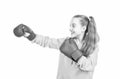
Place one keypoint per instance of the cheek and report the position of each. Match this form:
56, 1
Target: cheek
78, 31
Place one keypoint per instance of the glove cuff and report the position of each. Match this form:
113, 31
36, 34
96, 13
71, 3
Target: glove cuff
76, 55
31, 36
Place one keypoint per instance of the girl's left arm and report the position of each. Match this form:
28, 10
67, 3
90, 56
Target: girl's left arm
89, 63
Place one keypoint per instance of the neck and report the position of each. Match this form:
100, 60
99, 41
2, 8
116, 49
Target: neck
80, 37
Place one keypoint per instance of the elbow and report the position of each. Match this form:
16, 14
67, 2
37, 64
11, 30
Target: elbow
87, 67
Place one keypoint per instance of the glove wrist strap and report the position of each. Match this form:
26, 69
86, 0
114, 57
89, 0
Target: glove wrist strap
31, 36
76, 55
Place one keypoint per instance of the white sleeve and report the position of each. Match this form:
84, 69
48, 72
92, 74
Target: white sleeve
89, 63
46, 41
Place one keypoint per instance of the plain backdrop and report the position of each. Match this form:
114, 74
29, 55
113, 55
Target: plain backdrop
21, 59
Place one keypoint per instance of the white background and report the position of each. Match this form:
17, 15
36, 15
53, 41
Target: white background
21, 59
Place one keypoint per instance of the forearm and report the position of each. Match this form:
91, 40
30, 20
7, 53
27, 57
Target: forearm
86, 64
46, 41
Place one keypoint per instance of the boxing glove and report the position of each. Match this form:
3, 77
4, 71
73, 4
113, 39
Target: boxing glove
22, 30
70, 49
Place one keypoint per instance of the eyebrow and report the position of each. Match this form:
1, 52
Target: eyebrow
73, 24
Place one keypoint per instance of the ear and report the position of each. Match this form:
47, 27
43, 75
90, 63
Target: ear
83, 28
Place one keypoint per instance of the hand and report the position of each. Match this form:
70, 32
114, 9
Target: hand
23, 30
70, 49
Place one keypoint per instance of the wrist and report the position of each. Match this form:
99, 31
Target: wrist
31, 36
26, 34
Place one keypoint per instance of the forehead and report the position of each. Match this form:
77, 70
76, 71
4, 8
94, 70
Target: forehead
76, 20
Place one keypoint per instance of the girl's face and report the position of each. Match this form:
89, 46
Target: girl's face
76, 28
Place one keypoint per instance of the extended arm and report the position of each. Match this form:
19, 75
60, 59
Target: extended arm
45, 41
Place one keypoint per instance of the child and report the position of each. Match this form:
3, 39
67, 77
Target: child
78, 56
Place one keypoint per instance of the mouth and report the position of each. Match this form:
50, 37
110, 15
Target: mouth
72, 32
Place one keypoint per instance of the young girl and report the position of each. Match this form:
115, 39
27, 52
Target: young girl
83, 30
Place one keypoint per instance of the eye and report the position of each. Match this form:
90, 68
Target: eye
73, 25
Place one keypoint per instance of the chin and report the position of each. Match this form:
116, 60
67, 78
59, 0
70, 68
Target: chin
73, 35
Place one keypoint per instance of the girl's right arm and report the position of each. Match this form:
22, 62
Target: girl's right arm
46, 41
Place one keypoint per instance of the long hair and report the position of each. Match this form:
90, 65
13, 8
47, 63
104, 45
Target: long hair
90, 37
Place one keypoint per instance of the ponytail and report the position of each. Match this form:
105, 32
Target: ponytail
90, 38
